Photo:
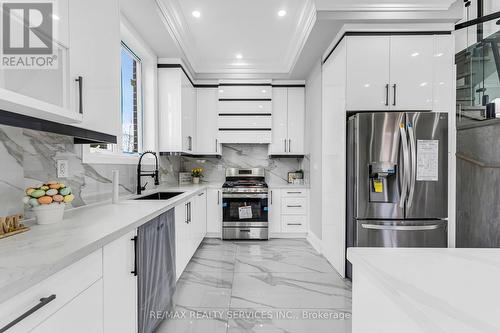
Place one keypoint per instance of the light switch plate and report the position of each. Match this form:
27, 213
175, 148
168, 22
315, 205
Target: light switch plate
62, 168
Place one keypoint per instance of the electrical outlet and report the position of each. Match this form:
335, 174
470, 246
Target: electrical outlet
62, 169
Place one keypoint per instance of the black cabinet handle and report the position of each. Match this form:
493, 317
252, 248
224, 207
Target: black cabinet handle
294, 206
271, 197
395, 88
79, 79
387, 94
294, 223
43, 301
298, 192
134, 272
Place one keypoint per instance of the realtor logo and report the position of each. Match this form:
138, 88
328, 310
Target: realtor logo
27, 36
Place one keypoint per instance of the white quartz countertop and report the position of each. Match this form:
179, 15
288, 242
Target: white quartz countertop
438, 290
31, 257
288, 186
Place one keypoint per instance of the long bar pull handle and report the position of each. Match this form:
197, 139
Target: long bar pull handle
294, 206
79, 79
395, 88
289, 145
413, 175
401, 227
218, 197
271, 196
43, 301
294, 224
285, 145
134, 239
405, 170
387, 94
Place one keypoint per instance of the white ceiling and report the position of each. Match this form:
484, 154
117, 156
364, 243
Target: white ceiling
268, 43
272, 47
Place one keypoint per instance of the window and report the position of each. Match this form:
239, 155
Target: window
131, 102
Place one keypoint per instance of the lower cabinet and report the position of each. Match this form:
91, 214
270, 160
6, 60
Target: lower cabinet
190, 229
288, 212
83, 314
120, 285
214, 212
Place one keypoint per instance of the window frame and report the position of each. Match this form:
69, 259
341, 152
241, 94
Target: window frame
132, 41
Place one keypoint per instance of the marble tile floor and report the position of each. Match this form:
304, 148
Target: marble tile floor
280, 285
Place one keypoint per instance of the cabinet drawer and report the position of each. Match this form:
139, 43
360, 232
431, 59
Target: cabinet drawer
296, 192
293, 223
293, 206
244, 122
242, 107
244, 136
245, 92
65, 285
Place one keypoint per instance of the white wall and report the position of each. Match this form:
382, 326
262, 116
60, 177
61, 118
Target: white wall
313, 137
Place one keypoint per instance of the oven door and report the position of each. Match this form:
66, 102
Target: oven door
244, 209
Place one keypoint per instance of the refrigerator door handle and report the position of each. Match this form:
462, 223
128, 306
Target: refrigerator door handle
413, 175
401, 227
406, 165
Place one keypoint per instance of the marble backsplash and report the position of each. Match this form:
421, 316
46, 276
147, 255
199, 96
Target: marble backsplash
244, 156
29, 157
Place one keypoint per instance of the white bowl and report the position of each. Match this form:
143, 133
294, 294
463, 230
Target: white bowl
48, 214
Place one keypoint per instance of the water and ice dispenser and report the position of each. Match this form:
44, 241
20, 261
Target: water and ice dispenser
383, 182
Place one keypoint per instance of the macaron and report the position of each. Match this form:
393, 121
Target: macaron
45, 200
58, 198
37, 193
34, 202
52, 182
54, 186
29, 191
44, 187
51, 192
68, 198
65, 191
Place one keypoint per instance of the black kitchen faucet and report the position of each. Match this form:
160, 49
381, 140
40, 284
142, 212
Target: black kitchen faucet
153, 174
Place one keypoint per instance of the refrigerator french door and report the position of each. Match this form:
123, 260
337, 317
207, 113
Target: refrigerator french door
397, 180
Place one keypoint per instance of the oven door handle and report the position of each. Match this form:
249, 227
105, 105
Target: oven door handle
245, 195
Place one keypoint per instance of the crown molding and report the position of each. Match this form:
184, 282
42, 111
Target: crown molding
388, 6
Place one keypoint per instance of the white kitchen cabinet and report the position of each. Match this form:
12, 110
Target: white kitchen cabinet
182, 238
207, 142
120, 285
176, 111
199, 220
59, 289
294, 223
368, 65
444, 75
288, 123
214, 212
411, 71
83, 314
94, 37
402, 72
242, 91
274, 215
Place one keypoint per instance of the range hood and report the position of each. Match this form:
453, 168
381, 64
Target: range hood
81, 135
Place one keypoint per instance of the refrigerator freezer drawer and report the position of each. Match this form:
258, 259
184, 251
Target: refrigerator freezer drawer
429, 233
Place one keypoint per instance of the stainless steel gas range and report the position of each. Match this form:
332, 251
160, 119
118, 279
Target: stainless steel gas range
244, 204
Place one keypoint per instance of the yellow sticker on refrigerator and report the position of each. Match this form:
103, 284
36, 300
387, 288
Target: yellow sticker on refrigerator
378, 186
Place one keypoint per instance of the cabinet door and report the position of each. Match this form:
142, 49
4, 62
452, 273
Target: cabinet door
206, 132
274, 211
296, 120
279, 142
214, 212
200, 218
188, 110
120, 285
444, 78
95, 55
411, 72
368, 73
83, 314
181, 239
170, 135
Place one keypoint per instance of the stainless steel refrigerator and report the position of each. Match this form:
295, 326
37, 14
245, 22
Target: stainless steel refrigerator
397, 180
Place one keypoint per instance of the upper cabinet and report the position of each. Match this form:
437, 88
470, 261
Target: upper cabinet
397, 72
207, 142
177, 104
95, 64
245, 113
288, 121
83, 86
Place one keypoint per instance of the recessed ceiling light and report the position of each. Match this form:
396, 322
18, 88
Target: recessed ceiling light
239, 56
282, 13
221, 90
196, 14
416, 54
263, 91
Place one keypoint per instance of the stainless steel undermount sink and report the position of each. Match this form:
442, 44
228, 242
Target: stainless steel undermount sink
159, 196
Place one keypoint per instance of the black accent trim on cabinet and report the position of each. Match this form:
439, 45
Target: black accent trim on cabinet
288, 85
42, 302
244, 114
245, 99
384, 33
244, 129
479, 20
285, 156
206, 86
81, 135
176, 66
244, 84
